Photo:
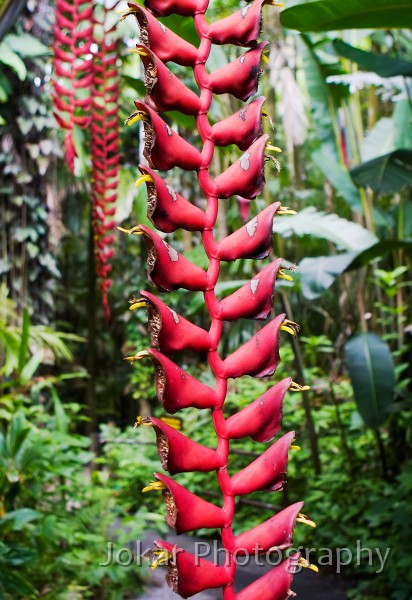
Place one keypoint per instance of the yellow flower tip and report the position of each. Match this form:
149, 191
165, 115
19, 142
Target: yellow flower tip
295, 387
138, 356
143, 179
174, 422
287, 329
265, 58
138, 304
139, 51
302, 562
285, 210
282, 275
294, 447
137, 116
154, 486
274, 3
134, 230
273, 148
143, 421
290, 327
160, 557
303, 519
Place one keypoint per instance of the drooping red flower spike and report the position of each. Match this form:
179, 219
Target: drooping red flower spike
105, 148
86, 91
168, 270
73, 37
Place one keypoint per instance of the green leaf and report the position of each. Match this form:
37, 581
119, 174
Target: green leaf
339, 178
383, 65
332, 15
318, 274
379, 250
9, 12
29, 369
345, 234
387, 174
320, 98
26, 45
136, 84
12, 60
16, 434
372, 374
17, 519
24, 342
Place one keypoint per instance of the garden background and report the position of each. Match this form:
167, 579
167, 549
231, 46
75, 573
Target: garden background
72, 467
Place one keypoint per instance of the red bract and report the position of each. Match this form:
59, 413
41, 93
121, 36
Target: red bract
167, 269
186, 511
162, 41
242, 128
176, 389
167, 209
242, 28
163, 8
262, 419
179, 454
276, 532
259, 357
164, 148
275, 585
190, 574
165, 91
254, 300
266, 472
254, 240
170, 332
241, 76
245, 176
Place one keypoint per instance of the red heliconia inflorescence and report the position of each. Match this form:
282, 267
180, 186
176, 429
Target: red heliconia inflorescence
73, 38
168, 270
105, 148
86, 93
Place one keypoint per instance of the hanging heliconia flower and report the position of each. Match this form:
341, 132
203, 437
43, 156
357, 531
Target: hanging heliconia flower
104, 147
73, 38
169, 270
86, 94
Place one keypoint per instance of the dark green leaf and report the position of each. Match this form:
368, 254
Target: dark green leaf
379, 250
332, 15
372, 374
17, 519
383, 65
387, 174
136, 84
339, 178
9, 12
